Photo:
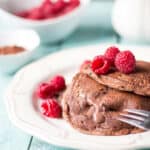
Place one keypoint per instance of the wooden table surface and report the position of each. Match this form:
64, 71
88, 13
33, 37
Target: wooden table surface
95, 28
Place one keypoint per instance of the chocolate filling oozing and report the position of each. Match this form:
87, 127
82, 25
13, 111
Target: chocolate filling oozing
93, 108
137, 82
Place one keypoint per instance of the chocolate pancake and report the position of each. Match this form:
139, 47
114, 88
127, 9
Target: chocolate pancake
92, 108
137, 82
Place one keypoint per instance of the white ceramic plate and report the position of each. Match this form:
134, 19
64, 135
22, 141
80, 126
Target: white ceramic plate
23, 111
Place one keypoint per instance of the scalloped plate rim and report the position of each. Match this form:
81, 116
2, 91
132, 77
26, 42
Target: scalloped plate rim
17, 122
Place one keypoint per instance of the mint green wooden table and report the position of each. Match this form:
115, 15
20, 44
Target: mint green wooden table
95, 28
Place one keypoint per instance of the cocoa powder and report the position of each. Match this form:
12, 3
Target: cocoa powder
5, 50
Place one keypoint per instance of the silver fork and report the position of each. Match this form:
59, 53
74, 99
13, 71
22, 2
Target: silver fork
136, 117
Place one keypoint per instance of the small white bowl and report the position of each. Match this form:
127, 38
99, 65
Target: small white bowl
51, 30
27, 39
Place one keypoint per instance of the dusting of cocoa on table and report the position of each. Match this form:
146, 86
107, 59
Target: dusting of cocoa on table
5, 50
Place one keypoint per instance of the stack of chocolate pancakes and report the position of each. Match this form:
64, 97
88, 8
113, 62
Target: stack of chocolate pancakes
92, 103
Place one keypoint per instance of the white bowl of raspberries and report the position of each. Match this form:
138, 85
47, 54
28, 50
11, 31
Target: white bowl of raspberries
53, 20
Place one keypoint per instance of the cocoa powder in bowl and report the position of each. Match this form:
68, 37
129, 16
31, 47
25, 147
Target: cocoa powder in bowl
5, 50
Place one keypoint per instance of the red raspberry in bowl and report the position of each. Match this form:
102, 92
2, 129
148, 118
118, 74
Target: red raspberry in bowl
45, 91
35, 14
100, 65
23, 14
71, 4
47, 10
125, 62
59, 5
46, 2
50, 9
58, 82
51, 108
111, 53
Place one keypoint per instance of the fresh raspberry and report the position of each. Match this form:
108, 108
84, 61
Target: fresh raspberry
125, 62
58, 82
111, 53
86, 62
66, 10
35, 14
51, 108
74, 3
100, 65
23, 14
71, 5
50, 9
46, 2
59, 6
47, 11
45, 91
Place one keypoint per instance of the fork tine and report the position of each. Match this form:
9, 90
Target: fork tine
139, 112
135, 123
132, 116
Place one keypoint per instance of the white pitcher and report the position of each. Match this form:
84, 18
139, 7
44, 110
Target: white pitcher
131, 19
